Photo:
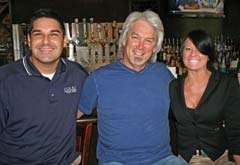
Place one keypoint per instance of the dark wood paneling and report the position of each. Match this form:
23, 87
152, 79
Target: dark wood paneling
108, 10
100, 10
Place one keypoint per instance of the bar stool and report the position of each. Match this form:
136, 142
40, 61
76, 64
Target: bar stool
84, 136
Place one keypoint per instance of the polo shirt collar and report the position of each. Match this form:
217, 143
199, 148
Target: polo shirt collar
32, 70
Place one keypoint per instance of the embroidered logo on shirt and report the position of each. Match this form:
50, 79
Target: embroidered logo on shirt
72, 89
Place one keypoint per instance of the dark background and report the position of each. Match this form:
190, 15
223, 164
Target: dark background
109, 10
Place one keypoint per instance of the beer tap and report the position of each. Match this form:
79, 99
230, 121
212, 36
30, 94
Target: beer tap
70, 42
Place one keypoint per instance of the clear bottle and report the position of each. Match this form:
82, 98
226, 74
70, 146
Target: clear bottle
82, 48
222, 66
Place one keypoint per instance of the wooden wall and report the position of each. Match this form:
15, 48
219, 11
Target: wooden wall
108, 10
100, 10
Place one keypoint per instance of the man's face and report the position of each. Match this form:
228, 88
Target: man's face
46, 41
139, 45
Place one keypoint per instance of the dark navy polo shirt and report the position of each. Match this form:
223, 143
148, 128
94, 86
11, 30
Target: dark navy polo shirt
37, 115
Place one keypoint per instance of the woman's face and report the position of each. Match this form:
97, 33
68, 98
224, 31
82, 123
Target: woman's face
192, 58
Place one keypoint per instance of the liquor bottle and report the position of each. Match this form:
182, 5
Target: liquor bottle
222, 66
169, 52
228, 61
70, 42
113, 43
101, 45
24, 43
92, 36
95, 42
82, 49
106, 42
165, 49
238, 70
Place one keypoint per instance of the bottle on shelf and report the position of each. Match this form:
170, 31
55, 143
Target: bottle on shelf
83, 55
238, 70
113, 42
70, 42
222, 66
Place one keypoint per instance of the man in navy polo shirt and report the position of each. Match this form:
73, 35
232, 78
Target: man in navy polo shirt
39, 97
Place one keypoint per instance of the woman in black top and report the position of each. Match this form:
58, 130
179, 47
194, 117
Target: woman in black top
205, 106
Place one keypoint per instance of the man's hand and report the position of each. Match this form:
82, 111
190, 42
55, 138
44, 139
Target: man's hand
79, 114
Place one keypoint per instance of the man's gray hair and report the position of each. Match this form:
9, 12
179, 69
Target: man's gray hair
153, 19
